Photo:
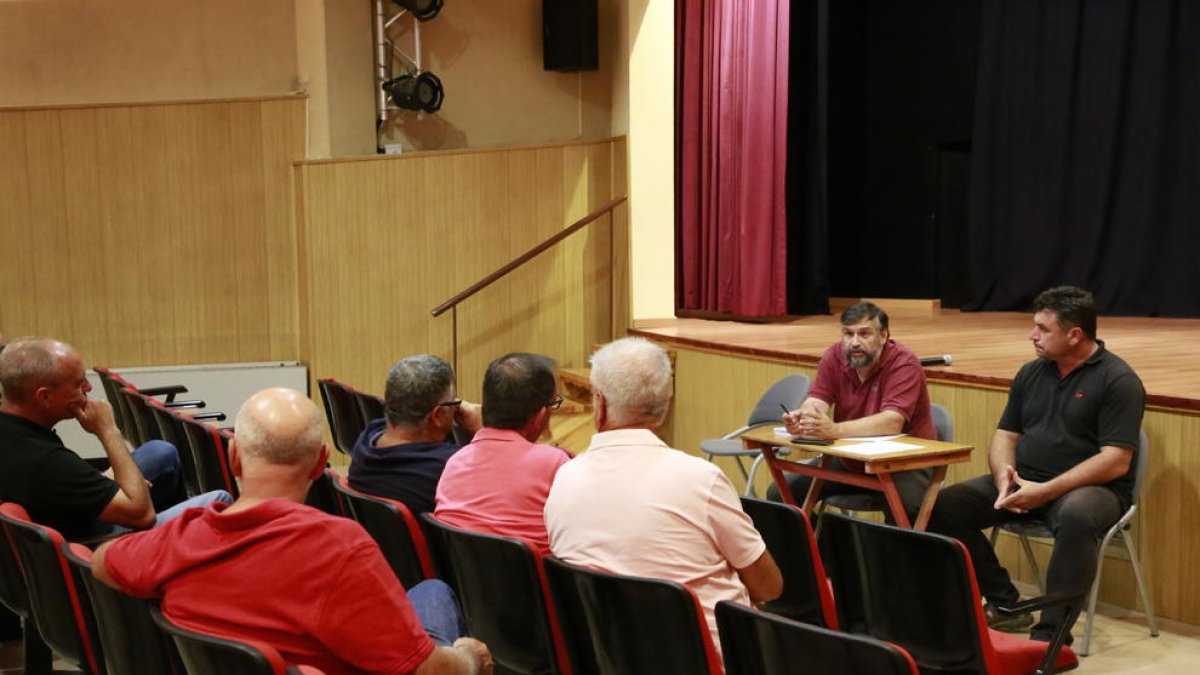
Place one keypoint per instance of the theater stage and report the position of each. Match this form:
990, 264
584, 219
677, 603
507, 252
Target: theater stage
721, 368
987, 347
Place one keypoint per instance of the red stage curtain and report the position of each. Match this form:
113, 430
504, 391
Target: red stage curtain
731, 68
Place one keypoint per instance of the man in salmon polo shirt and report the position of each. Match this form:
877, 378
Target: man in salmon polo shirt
632, 505
269, 568
498, 483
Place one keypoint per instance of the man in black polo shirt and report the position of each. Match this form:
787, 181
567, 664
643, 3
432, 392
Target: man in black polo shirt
44, 383
1063, 452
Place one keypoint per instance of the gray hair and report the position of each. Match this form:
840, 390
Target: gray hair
29, 363
415, 386
634, 376
279, 426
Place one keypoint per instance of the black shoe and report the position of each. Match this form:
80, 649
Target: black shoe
1015, 623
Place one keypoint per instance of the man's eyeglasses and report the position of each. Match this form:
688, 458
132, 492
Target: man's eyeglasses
450, 404
555, 403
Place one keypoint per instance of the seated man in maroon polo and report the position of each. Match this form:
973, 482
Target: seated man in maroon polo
874, 386
499, 482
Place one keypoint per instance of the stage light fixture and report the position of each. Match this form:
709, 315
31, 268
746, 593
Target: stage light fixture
416, 92
423, 10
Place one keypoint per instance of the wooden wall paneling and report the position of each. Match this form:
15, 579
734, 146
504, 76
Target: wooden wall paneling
50, 264
484, 232
283, 140
88, 240
1169, 515
594, 248
143, 229
405, 233
622, 310
17, 314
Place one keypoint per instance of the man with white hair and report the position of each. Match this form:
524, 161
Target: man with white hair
269, 568
632, 505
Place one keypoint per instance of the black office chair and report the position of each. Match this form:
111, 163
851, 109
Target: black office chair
394, 528
113, 383
756, 642
369, 405
345, 417
917, 589
1119, 532
620, 625
789, 537
172, 430
501, 585
14, 595
129, 640
205, 654
63, 615
322, 494
788, 392
208, 448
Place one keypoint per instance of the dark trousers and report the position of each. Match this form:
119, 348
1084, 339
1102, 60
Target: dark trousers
1079, 520
910, 484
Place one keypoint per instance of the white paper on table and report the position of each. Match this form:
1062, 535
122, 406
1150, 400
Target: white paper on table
866, 439
782, 431
881, 447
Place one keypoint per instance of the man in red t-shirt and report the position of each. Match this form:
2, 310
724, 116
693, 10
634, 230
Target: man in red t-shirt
874, 386
269, 568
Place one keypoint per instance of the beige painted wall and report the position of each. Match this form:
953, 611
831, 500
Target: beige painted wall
63, 52
487, 52
488, 55
651, 157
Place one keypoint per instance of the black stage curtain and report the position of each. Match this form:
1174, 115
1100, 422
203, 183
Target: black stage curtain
1086, 162
808, 157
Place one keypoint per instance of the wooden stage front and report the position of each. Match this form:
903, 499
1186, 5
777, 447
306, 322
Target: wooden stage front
721, 368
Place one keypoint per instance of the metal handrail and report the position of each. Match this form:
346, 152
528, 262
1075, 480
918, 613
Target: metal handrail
453, 302
526, 256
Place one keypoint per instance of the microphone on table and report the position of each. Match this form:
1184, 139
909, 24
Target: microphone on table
943, 360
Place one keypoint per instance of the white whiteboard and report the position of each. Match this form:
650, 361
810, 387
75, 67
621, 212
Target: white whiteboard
223, 386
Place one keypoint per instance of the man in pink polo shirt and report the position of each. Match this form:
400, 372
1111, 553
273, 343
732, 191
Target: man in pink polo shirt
633, 505
498, 484
874, 386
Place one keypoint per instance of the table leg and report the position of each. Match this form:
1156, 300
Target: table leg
931, 492
893, 500
814, 487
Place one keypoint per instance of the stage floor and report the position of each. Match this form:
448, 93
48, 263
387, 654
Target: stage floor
987, 347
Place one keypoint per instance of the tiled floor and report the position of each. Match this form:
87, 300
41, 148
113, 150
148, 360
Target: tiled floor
1122, 644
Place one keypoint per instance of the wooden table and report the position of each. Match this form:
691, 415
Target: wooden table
877, 468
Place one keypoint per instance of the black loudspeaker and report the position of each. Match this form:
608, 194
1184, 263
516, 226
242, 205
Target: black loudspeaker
569, 37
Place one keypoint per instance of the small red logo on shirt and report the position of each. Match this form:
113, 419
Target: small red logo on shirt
1079, 394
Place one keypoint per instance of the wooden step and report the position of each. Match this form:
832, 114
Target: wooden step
576, 385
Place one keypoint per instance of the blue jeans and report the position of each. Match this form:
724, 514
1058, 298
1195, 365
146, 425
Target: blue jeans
159, 463
437, 608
